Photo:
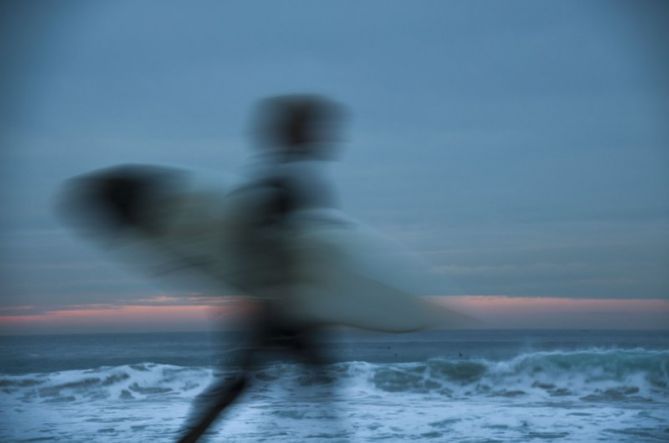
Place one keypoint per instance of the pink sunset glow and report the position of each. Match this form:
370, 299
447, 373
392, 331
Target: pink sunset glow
159, 313
166, 313
562, 313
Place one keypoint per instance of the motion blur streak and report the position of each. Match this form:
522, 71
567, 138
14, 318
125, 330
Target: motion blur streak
277, 238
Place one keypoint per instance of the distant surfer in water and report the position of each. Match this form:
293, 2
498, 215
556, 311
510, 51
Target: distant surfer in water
296, 134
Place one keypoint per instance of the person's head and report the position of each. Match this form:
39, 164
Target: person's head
304, 125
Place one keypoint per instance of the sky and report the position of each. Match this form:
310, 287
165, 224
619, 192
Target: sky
520, 148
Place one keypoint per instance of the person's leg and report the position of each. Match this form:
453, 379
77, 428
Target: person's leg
213, 401
222, 392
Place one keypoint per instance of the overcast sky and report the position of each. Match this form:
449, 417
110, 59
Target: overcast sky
520, 147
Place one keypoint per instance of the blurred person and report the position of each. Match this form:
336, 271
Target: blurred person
296, 134
277, 238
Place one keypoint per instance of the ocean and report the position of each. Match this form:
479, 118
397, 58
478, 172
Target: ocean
437, 386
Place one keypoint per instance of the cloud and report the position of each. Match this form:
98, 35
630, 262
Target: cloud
536, 164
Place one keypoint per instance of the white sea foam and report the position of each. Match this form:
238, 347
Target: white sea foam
619, 395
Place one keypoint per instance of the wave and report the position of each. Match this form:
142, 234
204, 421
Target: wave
589, 375
126, 382
593, 375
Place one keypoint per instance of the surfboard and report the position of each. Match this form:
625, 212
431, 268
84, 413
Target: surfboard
322, 267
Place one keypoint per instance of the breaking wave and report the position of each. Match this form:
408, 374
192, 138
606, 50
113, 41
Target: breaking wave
594, 375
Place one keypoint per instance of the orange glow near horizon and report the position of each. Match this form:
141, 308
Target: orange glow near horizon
152, 315
500, 303
557, 313
130, 315
164, 313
